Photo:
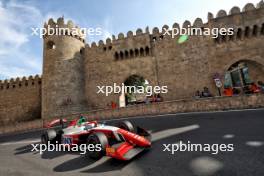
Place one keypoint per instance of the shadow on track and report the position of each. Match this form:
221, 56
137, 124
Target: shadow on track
24, 149
74, 164
111, 164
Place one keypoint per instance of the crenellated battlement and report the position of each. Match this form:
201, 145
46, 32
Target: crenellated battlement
20, 82
245, 23
67, 29
236, 10
156, 34
107, 44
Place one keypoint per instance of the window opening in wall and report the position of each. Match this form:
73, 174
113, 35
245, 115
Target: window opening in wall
51, 45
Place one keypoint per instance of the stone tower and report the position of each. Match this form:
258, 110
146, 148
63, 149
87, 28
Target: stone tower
62, 81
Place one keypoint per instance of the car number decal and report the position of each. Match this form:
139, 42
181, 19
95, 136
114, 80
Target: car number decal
67, 140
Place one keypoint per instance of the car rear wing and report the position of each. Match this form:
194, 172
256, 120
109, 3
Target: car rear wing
56, 123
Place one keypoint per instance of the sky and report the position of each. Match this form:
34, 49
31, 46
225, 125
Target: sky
21, 52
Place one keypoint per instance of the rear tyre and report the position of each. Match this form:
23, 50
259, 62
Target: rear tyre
127, 125
97, 139
49, 135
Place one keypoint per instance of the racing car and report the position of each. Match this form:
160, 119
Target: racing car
122, 142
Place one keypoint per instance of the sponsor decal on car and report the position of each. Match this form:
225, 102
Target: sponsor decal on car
110, 150
67, 140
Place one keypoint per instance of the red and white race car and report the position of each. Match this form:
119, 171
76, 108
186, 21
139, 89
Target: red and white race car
122, 142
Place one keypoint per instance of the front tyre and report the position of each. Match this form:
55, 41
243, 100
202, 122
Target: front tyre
127, 125
49, 135
97, 139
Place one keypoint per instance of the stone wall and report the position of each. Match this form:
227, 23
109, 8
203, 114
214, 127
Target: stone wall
102, 68
179, 106
185, 67
20, 100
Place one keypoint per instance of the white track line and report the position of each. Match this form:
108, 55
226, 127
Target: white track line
173, 131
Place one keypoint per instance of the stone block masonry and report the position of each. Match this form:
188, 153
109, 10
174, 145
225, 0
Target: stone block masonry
20, 100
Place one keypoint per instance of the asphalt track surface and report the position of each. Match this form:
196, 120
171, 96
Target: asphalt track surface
243, 129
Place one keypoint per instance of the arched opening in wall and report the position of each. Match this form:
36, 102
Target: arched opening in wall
131, 53
116, 56
247, 32
137, 90
262, 29
241, 75
141, 52
136, 52
147, 51
255, 30
51, 45
126, 54
239, 33
82, 51
121, 55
